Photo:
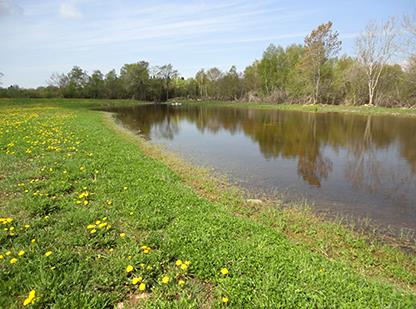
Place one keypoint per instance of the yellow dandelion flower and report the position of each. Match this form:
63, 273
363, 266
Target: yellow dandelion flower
125, 188
178, 263
85, 202
165, 280
109, 202
48, 253
30, 299
136, 280
184, 266
1, 256
181, 282
224, 271
142, 287
21, 253
122, 235
129, 269
27, 226
13, 261
100, 226
90, 226
8, 252
97, 222
33, 241
225, 300
93, 231
188, 263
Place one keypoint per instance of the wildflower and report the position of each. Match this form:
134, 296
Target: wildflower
225, 300
90, 226
21, 253
224, 271
109, 202
188, 263
122, 235
33, 241
30, 298
145, 249
97, 222
13, 261
27, 226
85, 202
125, 188
178, 263
165, 280
142, 287
184, 266
136, 280
48, 253
102, 225
1, 256
93, 231
8, 252
129, 268
181, 282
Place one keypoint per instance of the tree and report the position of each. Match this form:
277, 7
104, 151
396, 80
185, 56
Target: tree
166, 73
213, 75
113, 86
320, 45
202, 80
135, 78
375, 47
95, 85
1, 76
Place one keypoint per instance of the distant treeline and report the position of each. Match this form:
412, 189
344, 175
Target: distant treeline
312, 72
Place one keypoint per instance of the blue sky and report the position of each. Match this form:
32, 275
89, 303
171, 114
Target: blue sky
38, 37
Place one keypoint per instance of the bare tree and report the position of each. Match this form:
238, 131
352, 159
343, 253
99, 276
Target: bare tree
375, 47
409, 25
1, 76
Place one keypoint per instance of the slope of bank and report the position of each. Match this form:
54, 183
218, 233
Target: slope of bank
90, 220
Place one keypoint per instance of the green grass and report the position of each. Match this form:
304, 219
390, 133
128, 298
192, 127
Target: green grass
63, 167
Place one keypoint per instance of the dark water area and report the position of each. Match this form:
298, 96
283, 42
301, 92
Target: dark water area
353, 165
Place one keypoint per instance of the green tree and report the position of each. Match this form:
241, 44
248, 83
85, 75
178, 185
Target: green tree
135, 79
320, 45
95, 85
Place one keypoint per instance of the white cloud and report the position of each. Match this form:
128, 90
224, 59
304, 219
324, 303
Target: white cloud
8, 8
68, 10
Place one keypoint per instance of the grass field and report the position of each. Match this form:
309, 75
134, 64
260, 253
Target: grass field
93, 217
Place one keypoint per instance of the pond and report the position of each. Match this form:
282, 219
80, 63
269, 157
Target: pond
353, 165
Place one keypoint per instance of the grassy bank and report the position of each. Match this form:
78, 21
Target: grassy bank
93, 220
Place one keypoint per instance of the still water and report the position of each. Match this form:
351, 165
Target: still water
354, 165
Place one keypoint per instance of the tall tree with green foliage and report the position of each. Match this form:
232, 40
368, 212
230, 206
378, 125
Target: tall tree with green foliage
135, 77
320, 45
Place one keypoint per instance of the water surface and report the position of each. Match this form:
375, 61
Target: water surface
363, 166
